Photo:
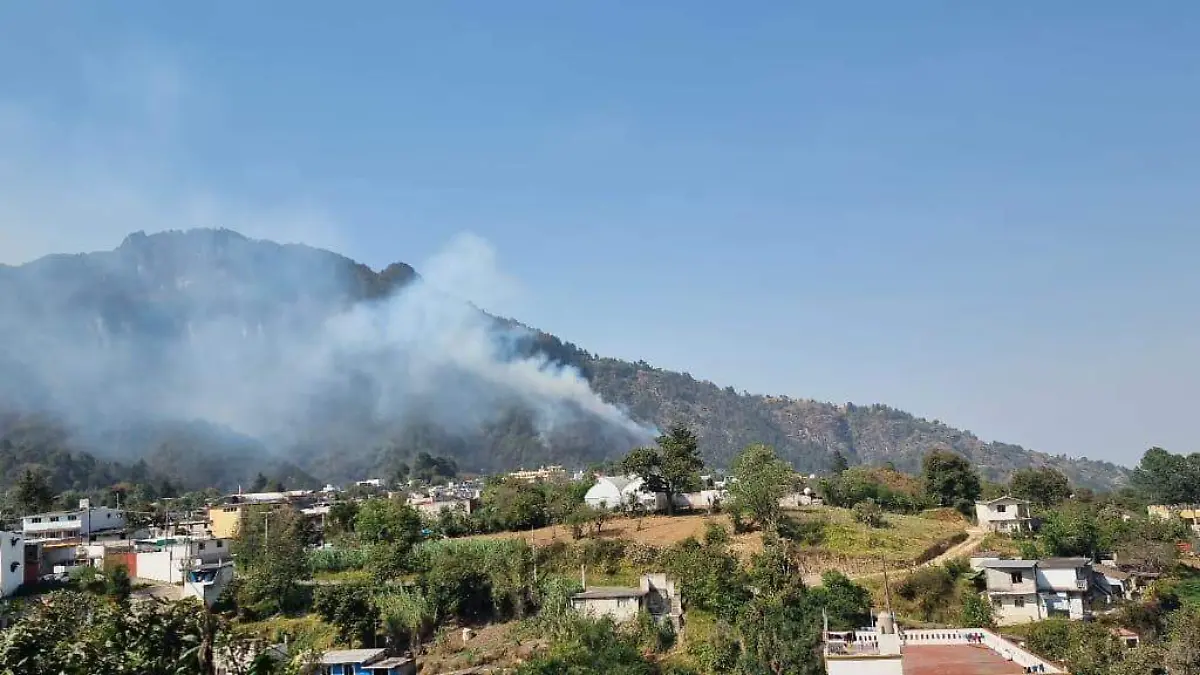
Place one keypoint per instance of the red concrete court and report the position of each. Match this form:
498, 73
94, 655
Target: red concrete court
956, 660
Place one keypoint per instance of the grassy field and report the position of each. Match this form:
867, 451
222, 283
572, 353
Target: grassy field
848, 546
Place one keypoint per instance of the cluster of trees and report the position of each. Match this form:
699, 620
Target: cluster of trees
80, 633
764, 618
1166, 478
947, 479
1091, 648
462, 580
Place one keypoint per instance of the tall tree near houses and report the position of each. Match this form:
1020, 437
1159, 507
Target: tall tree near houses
951, 480
1044, 486
671, 468
33, 492
762, 480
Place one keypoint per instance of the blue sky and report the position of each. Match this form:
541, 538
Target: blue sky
982, 214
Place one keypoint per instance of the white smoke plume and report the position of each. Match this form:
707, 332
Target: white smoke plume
264, 354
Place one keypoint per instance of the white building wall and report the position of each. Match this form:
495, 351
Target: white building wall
1007, 613
873, 665
1060, 579
80, 522
618, 609
12, 550
158, 566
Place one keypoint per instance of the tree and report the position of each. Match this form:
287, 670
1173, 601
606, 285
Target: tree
349, 607
977, 612
762, 479
342, 514
671, 468
81, 634
1070, 530
387, 520
778, 634
270, 555
847, 604
118, 585
33, 493
1164, 478
868, 513
1043, 486
950, 479
259, 484
838, 463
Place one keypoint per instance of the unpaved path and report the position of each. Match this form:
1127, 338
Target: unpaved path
966, 547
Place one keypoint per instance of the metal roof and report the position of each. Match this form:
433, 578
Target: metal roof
1063, 563
390, 663
1010, 564
335, 657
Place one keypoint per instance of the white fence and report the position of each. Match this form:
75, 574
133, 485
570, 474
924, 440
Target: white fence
959, 636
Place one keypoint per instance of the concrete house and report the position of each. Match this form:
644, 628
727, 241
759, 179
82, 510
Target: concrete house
1031, 590
1004, 514
655, 595
366, 662
169, 560
86, 522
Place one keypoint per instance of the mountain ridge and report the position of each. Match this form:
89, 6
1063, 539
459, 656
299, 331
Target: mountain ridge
141, 309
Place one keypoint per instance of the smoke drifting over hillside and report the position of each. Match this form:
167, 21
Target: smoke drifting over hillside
272, 341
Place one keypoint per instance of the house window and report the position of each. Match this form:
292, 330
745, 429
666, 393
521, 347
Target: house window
201, 546
35, 520
1018, 602
220, 543
1017, 577
54, 519
72, 517
1001, 508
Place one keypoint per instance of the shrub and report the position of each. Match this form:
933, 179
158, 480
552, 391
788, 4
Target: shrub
337, 559
977, 612
808, 532
868, 513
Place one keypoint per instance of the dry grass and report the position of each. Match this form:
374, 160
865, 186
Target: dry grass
659, 531
499, 645
849, 546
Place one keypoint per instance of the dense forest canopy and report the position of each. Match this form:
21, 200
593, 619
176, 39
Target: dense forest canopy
213, 358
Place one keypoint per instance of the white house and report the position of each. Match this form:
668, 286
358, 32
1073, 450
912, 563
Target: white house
612, 492
1004, 514
1031, 590
85, 522
12, 562
169, 561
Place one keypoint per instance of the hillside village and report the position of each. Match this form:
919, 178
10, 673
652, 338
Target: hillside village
656, 562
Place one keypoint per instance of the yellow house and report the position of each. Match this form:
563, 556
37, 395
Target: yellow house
1188, 514
224, 520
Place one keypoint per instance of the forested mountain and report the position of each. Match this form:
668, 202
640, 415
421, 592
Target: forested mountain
212, 357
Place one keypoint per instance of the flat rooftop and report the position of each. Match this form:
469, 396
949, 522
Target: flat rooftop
956, 660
